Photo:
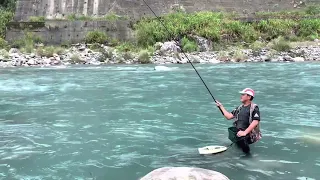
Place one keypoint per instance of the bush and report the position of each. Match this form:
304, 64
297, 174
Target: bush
5, 17
257, 46
280, 44
49, 51
189, 45
96, 37
75, 59
4, 53
313, 10
3, 44
125, 47
274, 28
37, 19
238, 55
26, 44
72, 17
238, 31
309, 27
144, 57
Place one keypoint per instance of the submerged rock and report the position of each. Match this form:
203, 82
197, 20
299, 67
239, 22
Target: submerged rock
182, 173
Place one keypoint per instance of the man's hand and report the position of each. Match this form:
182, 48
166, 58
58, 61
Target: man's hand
219, 104
241, 133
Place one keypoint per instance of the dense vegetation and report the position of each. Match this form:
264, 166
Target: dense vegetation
221, 28
6, 14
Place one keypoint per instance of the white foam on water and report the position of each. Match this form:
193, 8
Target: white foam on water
281, 161
165, 68
305, 178
69, 86
12, 85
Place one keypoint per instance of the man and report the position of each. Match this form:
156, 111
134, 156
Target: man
247, 119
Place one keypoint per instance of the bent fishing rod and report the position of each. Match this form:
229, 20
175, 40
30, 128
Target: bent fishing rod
159, 19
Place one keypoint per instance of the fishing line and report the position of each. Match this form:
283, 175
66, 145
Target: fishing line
159, 19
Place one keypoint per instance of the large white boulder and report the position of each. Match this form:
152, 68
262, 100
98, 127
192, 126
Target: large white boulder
183, 173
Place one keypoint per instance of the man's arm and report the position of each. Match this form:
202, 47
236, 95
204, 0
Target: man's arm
255, 120
226, 114
252, 126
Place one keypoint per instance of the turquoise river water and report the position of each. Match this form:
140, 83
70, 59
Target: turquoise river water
121, 122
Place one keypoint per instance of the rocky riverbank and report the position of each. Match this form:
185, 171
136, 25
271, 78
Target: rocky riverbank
165, 53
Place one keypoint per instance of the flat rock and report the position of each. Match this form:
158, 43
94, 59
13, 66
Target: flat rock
184, 173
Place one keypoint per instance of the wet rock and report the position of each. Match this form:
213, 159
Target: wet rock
169, 173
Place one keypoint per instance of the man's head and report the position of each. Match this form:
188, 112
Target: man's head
247, 95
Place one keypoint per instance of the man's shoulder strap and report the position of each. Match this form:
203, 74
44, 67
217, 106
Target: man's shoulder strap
252, 107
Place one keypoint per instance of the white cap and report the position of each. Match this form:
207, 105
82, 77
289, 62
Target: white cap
247, 91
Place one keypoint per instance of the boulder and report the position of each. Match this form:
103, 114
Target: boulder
169, 47
32, 62
298, 59
181, 173
214, 61
32, 55
14, 51
287, 58
203, 43
158, 45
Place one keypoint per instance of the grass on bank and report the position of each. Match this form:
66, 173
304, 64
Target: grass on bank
222, 29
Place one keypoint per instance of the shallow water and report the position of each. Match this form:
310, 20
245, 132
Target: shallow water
121, 122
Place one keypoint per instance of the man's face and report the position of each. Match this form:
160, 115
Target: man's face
245, 98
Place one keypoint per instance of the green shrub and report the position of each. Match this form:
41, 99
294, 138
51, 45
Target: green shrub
257, 46
4, 53
5, 17
3, 44
75, 59
111, 17
238, 31
37, 19
313, 10
49, 51
189, 45
125, 47
96, 37
280, 45
105, 54
274, 28
19, 43
84, 18
309, 27
72, 17
144, 57
238, 55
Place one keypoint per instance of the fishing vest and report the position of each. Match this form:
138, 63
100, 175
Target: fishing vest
255, 134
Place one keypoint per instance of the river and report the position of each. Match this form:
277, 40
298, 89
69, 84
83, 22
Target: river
121, 122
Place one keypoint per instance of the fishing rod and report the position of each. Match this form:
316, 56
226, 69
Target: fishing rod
159, 19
